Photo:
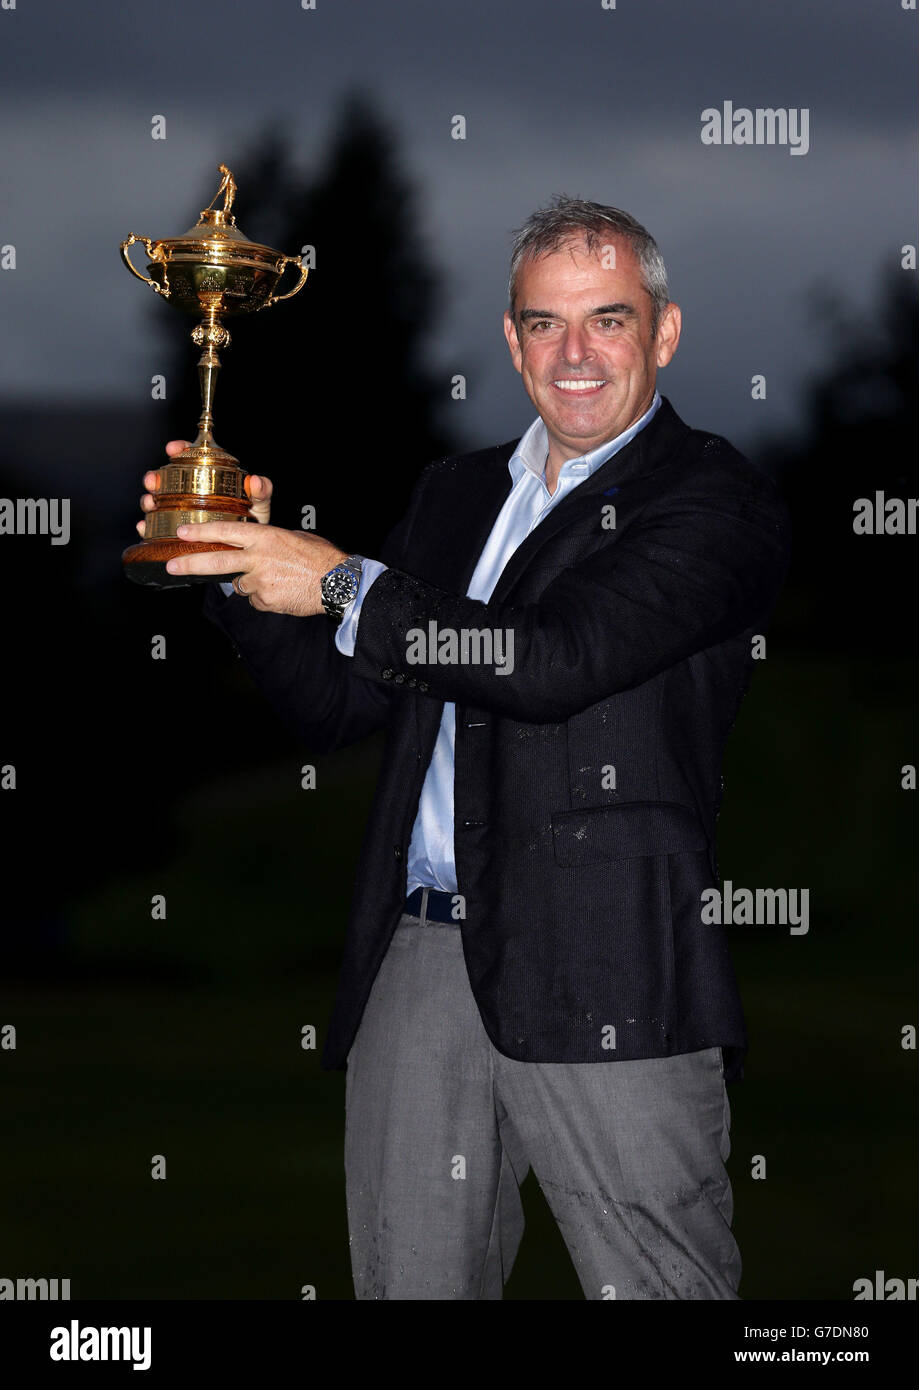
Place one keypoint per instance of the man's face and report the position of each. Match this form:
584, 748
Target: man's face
581, 340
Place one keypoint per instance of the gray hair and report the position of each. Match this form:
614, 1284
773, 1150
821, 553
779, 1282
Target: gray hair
568, 218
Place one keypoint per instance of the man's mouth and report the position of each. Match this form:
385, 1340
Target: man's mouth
578, 385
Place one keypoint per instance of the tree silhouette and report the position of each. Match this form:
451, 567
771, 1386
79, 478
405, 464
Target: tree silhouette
848, 590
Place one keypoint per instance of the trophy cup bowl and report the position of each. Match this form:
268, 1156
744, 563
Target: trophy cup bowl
212, 271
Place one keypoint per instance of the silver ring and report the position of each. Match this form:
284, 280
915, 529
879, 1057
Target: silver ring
242, 593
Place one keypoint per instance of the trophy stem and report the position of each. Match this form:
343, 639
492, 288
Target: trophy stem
208, 367
211, 334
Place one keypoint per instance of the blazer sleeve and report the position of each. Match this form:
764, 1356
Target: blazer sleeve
312, 686
695, 568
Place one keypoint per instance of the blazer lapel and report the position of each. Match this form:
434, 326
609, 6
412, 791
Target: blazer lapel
458, 535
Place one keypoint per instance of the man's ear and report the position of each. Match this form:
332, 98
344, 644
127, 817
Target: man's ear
513, 342
668, 333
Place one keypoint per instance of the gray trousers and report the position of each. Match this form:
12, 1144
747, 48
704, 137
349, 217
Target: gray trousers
441, 1129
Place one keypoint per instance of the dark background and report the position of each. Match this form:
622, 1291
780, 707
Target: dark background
137, 777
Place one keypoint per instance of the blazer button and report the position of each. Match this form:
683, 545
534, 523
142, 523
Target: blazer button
398, 679
397, 851
422, 685
411, 682
387, 674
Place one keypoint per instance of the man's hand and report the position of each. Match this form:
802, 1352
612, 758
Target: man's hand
279, 571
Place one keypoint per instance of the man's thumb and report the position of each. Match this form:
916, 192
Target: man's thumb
259, 490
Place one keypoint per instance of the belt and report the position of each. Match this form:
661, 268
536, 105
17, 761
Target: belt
437, 908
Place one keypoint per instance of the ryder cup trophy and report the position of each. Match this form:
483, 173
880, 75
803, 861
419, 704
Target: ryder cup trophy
212, 271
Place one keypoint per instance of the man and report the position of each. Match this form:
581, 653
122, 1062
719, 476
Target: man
556, 637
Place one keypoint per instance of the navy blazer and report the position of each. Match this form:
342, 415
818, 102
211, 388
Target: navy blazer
582, 933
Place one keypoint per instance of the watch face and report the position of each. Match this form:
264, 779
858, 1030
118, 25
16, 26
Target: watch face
340, 585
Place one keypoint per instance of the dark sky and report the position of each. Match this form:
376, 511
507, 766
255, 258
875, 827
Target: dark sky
558, 95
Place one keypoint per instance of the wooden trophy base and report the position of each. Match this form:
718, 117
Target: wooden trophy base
145, 563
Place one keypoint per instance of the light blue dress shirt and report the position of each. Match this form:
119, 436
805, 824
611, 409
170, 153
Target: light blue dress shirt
431, 862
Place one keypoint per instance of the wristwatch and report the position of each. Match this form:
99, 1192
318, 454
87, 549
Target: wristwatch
339, 586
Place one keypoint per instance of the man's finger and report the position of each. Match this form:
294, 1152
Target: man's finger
239, 533
216, 562
177, 446
142, 528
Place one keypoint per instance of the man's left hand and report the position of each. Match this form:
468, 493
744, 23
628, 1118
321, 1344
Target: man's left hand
279, 571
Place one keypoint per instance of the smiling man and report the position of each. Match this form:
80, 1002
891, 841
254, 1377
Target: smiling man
527, 979
588, 366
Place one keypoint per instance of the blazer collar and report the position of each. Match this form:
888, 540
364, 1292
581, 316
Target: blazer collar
663, 433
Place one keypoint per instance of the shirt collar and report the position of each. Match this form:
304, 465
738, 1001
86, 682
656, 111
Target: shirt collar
531, 453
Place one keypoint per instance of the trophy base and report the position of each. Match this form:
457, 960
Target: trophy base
203, 483
145, 563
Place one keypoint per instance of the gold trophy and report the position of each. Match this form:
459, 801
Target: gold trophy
212, 270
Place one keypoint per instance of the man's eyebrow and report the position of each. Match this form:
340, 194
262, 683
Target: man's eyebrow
623, 309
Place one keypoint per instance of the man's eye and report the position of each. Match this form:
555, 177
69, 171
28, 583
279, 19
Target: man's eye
540, 323
608, 323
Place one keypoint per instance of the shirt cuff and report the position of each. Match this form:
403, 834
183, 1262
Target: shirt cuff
346, 632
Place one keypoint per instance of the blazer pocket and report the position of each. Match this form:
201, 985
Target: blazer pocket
627, 831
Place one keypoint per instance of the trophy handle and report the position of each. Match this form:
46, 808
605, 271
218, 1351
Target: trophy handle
283, 264
148, 246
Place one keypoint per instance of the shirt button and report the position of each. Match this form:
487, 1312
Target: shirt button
387, 674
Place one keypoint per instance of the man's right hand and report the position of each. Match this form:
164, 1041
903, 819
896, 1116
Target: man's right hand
258, 490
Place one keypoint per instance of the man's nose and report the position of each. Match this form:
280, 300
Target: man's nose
575, 348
